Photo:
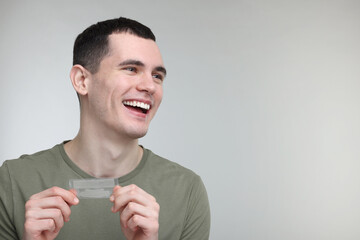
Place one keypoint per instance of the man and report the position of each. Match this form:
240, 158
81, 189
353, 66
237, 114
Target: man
118, 74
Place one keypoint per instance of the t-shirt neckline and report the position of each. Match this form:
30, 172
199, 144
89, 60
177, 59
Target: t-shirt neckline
84, 174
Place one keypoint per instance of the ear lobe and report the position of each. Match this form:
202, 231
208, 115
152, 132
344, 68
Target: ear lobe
79, 76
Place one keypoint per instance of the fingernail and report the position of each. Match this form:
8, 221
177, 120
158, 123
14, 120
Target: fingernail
112, 198
76, 200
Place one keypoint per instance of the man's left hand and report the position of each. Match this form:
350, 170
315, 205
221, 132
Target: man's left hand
139, 212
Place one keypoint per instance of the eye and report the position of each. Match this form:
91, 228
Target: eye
158, 76
130, 69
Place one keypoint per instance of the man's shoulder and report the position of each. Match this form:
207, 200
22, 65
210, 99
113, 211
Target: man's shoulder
31, 173
35, 159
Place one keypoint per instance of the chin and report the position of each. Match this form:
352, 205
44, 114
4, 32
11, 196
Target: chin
137, 134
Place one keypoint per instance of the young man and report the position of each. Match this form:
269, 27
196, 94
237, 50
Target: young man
118, 74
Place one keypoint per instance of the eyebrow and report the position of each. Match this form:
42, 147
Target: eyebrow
141, 64
131, 62
161, 69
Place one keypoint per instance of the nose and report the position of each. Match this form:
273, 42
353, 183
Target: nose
146, 84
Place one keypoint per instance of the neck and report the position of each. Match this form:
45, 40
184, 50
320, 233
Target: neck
104, 157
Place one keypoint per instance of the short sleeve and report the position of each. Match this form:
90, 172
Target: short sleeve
197, 222
7, 228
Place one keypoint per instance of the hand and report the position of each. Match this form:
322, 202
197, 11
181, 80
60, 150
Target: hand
46, 212
139, 212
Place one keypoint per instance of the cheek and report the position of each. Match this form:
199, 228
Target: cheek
159, 94
100, 96
158, 98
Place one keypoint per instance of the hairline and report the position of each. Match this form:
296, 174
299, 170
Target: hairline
108, 51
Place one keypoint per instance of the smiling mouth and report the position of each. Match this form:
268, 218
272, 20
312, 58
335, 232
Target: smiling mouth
137, 106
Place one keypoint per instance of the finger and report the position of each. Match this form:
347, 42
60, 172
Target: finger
68, 196
135, 189
130, 189
54, 213
132, 225
147, 225
56, 216
75, 193
130, 210
37, 226
122, 201
131, 193
50, 213
115, 189
50, 202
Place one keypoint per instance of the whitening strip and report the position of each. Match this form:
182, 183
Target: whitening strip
93, 187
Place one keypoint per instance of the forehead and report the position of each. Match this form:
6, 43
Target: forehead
129, 46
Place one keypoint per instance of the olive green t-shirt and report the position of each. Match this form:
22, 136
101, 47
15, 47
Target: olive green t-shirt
184, 206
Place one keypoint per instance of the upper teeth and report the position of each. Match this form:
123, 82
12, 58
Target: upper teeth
137, 104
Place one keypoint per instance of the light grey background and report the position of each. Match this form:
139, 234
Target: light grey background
262, 100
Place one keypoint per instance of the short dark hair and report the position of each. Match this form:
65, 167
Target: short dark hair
92, 45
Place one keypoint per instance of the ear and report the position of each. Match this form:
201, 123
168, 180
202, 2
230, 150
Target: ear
79, 79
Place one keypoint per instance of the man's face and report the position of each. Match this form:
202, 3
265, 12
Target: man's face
125, 93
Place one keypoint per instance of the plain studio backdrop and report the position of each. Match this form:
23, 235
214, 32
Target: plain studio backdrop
262, 101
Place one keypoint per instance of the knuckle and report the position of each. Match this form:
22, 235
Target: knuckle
157, 207
54, 190
131, 206
154, 215
49, 223
29, 214
32, 197
135, 219
30, 204
28, 225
